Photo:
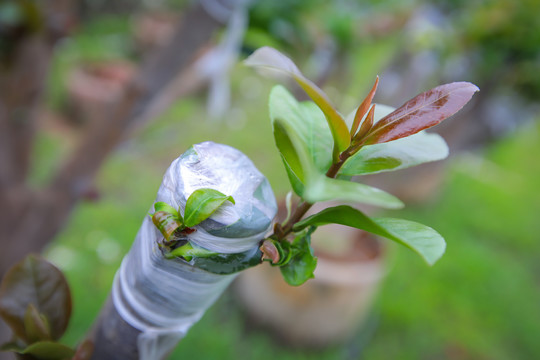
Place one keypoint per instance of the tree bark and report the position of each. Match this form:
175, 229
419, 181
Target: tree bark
114, 338
32, 219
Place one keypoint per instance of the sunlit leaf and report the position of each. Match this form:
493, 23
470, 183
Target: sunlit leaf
201, 204
35, 281
290, 150
306, 122
48, 350
422, 112
302, 263
420, 238
398, 154
325, 189
163, 206
301, 135
268, 57
362, 110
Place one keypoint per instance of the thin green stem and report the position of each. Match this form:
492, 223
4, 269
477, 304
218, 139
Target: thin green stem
304, 206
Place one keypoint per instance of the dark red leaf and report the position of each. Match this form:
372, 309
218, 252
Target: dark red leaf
366, 126
422, 112
35, 281
363, 108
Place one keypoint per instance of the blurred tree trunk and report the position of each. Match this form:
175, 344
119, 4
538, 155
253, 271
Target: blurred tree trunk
30, 218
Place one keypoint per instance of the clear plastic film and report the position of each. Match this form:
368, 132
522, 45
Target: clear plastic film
162, 297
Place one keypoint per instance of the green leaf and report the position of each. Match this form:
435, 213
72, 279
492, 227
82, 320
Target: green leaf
421, 112
166, 223
398, 154
302, 263
163, 206
420, 238
287, 145
201, 204
305, 126
288, 206
302, 137
268, 57
362, 111
324, 188
35, 281
48, 350
36, 325
188, 251
223, 264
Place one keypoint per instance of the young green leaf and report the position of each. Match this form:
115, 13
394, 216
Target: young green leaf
362, 110
423, 111
285, 142
188, 251
36, 325
163, 206
48, 350
302, 263
35, 281
166, 223
268, 57
395, 155
201, 204
420, 238
288, 206
301, 135
326, 189
305, 125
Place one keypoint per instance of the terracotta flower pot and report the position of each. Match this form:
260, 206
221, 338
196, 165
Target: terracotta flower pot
325, 310
153, 30
94, 87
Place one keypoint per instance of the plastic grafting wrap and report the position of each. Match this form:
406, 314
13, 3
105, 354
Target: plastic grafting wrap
163, 298
232, 228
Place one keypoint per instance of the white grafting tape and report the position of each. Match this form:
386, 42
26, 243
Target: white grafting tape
162, 297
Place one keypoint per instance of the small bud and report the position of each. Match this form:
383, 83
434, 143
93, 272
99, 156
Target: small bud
166, 223
270, 251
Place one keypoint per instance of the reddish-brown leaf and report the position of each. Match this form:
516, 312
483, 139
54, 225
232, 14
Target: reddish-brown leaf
166, 222
363, 108
422, 112
35, 281
366, 126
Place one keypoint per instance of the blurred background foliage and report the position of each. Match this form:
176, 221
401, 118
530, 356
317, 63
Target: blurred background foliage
479, 302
